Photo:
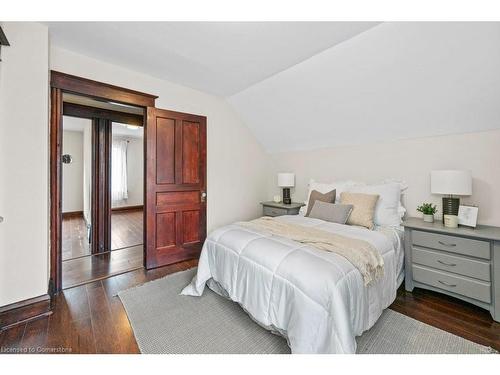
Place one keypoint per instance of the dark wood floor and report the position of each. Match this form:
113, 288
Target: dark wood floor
449, 314
79, 266
91, 319
126, 231
74, 241
84, 269
86, 319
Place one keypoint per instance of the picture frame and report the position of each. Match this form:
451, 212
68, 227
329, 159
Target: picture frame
467, 215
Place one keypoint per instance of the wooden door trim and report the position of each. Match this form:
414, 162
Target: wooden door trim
60, 83
101, 197
100, 90
55, 196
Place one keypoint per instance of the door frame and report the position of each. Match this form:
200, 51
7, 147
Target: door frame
66, 83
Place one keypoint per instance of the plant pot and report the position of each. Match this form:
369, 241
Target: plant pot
429, 218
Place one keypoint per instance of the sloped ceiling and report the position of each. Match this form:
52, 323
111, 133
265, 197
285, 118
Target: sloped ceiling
311, 85
222, 58
397, 80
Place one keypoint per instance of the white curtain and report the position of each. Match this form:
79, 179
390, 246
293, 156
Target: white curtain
119, 170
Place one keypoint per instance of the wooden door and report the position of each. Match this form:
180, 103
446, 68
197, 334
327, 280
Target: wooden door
175, 209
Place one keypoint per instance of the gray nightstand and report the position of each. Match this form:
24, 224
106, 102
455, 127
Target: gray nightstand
279, 209
461, 262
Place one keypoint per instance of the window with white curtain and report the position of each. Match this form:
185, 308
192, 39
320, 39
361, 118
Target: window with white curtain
119, 188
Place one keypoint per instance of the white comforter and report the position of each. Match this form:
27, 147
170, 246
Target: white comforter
315, 298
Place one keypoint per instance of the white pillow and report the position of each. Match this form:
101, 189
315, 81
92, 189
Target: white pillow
403, 186
387, 210
323, 188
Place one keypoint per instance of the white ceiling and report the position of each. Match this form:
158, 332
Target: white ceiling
395, 81
126, 131
296, 86
217, 57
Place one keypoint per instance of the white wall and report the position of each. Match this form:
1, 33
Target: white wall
408, 160
72, 174
135, 173
24, 163
236, 163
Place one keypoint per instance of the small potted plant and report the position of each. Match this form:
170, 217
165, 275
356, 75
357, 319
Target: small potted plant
428, 209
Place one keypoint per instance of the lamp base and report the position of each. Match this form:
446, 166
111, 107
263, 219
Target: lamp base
450, 221
450, 206
286, 196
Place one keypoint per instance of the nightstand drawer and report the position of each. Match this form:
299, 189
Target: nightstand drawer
274, 211
451, 263
453, 283
459, 245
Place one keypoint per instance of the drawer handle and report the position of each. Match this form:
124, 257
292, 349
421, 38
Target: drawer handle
447, 264
447, 244
446, 284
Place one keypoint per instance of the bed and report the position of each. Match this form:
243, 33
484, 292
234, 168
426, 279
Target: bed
316, 299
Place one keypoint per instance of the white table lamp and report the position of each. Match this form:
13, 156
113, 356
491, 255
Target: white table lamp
286, 181
450, 183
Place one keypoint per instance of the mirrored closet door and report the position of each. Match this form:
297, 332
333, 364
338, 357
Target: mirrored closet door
102, 190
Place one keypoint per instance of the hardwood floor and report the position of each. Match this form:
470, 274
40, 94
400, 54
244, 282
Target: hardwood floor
91, 319
79, 266
74, 242
126, 231
449, 314
84, 269
86, 319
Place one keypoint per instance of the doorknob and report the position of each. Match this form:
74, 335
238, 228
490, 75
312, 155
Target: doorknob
203, 196
1, 219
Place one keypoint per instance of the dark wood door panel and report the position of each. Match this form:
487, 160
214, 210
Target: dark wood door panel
191, 227
166, 230
175, 186
177, 197
165, 143
190, 152
175, 255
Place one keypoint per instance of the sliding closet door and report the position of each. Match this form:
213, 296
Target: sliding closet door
175, 207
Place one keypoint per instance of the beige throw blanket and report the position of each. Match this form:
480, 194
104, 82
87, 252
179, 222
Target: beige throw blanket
360, 253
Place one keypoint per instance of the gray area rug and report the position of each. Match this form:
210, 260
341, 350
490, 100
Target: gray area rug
166, 322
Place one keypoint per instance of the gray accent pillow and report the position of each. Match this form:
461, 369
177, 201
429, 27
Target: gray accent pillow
317, 196
332, 212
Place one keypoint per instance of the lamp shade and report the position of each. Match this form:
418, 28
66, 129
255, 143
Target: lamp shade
286, 180
454, 182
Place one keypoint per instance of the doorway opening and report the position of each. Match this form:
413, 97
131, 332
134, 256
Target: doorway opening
102, 189
174, 182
